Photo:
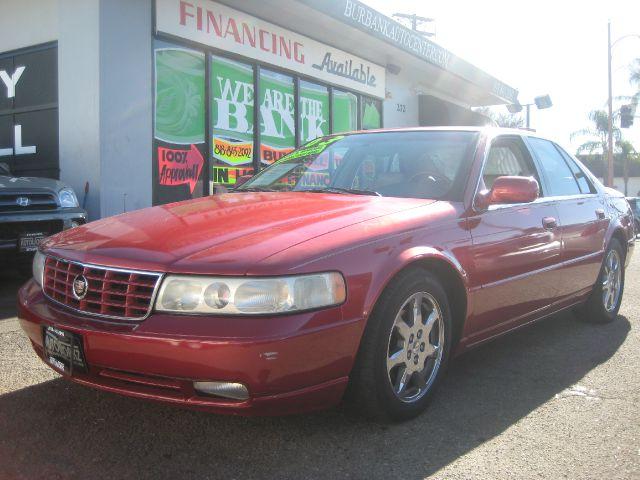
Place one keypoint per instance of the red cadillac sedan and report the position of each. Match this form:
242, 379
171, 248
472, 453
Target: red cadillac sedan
357, 266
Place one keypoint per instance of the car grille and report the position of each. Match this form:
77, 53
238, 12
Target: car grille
113, 293
9, 202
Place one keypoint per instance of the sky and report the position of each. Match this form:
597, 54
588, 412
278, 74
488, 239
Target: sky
555, 47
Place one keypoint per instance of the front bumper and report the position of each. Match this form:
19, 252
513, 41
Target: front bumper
290, 364
12, 224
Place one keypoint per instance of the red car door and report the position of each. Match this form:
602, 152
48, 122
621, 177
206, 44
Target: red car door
581, 212
515, 251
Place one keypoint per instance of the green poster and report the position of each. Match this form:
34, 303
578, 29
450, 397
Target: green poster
371, 113
314, 111
232, 100
179, 102
277, 125
345, 111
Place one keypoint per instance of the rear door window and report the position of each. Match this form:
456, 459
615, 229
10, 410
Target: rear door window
583, 181
559, 177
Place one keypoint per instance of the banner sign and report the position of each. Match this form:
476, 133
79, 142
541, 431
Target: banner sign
179, 167
179, 123
225, 28
29, 112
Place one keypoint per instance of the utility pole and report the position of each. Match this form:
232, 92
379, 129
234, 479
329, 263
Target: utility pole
610, 45
609, 181
416, 21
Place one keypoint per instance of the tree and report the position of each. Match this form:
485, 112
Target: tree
634, 79
628, 154
634, 73
597, 134
507, 120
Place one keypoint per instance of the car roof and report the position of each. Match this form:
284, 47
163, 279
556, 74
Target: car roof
487, 130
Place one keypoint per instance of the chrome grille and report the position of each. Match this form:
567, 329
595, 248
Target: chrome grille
111, 292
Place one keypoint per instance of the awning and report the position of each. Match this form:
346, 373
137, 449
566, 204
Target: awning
356, 28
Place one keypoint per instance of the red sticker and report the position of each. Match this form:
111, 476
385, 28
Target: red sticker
177, 167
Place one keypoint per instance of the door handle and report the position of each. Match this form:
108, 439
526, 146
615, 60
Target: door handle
600, 213
549, 223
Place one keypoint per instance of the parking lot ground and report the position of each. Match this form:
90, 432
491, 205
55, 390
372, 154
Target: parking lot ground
558, 399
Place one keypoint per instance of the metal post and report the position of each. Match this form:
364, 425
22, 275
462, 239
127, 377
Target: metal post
528, 105
609, 181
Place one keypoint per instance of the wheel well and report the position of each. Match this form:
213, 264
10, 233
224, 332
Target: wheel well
454, 288
618, 234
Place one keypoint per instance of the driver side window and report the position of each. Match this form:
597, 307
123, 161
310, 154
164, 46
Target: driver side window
508, 156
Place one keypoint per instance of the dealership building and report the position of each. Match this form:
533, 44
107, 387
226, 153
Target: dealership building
153, 101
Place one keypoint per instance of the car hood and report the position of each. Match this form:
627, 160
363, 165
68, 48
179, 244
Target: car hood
222, 234
29, 184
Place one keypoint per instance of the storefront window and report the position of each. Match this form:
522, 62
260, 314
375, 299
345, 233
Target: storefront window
179, 140
313, 110
345, 111
371, 113
232, 103
277, 125
189, 163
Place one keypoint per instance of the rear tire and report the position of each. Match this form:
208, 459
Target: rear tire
401, 360
605, 299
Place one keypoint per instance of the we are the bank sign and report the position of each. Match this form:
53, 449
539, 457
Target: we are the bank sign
230, 30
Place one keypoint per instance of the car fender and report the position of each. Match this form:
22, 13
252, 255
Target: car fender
404, 259
621, 223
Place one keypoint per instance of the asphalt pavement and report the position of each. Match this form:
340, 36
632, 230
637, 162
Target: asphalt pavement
558, 399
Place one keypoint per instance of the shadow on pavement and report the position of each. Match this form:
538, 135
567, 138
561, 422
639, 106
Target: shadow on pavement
59, 430
10, 282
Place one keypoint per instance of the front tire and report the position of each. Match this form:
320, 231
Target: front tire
605, 300
404, 350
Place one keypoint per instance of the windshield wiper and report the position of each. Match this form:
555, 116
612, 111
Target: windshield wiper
353, 191
254, 189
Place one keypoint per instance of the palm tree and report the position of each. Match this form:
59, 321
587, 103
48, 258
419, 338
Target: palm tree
634, 72
507, 120
634, 78
597, 134
628, 153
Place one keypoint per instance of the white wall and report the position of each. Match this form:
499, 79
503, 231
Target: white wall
105, 92
125, 105
79, 100
633, 187
24, 23
400, 108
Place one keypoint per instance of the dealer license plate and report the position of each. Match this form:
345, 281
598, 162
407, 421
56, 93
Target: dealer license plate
28, 242
63, 350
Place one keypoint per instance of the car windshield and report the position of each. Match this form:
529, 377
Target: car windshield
425, 164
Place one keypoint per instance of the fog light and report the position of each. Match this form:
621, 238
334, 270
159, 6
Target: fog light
236, 391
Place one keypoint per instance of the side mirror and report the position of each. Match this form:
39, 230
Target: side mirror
4, 169
241, 180
508, 190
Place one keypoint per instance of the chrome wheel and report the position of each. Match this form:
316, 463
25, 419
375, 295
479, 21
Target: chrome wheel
611, 281
416, 344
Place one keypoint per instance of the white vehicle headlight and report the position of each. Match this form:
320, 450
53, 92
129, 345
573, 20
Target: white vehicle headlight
67, 198
250, 295
38, 267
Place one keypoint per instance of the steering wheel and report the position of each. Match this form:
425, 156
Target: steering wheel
435, 177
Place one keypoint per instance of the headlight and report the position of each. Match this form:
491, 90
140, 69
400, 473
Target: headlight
250, 296
67, 198
38, 267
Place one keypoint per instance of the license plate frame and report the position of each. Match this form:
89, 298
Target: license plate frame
29, 242
58, 345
